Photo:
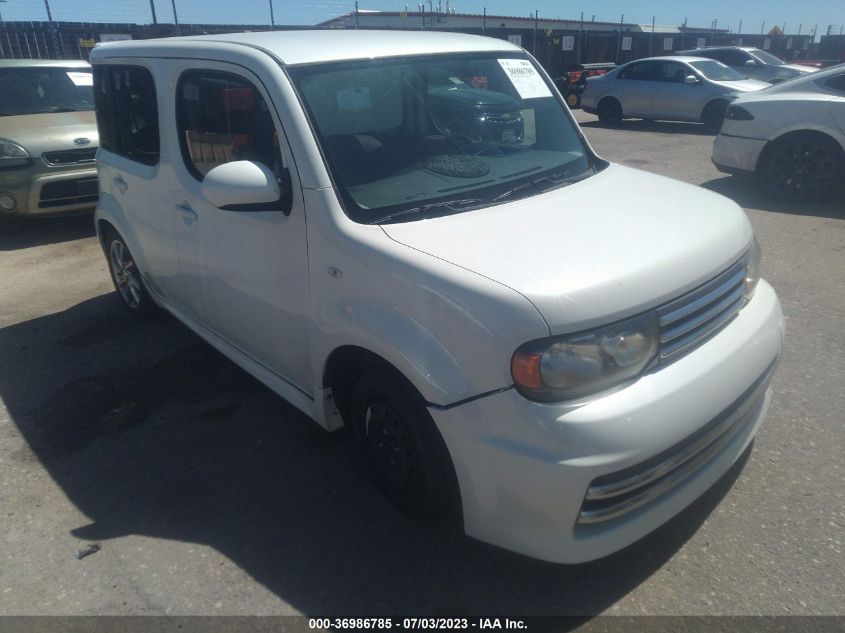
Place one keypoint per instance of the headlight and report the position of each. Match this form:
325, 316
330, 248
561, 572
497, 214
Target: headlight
752, 269
562, 368
12, 154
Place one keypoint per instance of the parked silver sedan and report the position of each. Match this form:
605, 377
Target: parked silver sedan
667, 88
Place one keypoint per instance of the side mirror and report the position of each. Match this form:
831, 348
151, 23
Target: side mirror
242, 185
751, 62
691, 80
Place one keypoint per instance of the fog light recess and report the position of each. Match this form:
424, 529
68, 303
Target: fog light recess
7, 202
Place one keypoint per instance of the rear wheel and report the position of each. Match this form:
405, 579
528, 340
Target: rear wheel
406, 455
801, 168
610, 111
127, 278
573, 100
713, 115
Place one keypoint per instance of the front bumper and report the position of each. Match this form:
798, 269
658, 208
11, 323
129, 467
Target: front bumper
524, 468
50, 191
736, 154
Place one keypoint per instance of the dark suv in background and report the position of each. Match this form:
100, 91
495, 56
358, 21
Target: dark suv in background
752, 62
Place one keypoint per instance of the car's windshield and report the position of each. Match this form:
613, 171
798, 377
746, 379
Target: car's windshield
40, 89
422, 136
716, 71
767, 58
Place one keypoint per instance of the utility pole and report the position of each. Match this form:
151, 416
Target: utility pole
580, 38
152, 9
484, 21
619, 42
739, 30
175, 17
535, 31
272, 19
762, 27
651, 38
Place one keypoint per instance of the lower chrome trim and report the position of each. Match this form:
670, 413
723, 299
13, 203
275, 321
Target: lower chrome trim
679, 463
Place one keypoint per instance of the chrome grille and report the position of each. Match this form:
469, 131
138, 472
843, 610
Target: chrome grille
70, 156
688, 321
611, 496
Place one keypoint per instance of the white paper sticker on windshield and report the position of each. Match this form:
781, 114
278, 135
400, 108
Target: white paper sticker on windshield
525, 78
81, 79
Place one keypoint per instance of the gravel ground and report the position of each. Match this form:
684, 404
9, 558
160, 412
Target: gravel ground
209, 495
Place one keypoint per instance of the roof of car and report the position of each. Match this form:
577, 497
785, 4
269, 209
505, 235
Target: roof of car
674, 58
721, 48
304, 47
34, 63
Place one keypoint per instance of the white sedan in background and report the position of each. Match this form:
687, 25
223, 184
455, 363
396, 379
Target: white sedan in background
667, 88
792, 136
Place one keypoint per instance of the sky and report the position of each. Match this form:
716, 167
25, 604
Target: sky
728, 13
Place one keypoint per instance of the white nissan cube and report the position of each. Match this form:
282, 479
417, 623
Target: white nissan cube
408, 235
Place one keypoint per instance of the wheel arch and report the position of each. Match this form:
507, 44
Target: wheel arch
346, 364
711, 102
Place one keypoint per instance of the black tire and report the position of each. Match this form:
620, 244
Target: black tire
610, 111
713, 115
127, 278
407, 457
801, 168
573, 100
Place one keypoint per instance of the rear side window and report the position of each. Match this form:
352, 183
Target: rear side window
222, 118
643, 71
127, 112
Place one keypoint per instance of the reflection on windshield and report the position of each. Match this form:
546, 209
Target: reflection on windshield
40, 90
425, 136
716, 71
767, 58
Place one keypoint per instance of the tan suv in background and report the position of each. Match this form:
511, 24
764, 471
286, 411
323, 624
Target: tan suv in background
48, 137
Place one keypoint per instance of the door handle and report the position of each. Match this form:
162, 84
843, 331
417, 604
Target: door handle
120, 183
186, 211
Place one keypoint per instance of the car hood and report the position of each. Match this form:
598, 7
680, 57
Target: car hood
744, 85
806, 70
598, 250
39, 133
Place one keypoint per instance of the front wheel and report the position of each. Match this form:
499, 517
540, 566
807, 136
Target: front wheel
406, 455
801, 168
713, 116
610, 111
127, 278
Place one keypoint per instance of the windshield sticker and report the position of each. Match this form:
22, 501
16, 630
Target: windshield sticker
354, 99
524, 77
81, 79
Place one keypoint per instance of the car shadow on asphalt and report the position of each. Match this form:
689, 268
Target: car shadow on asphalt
746, 191
24, 232
659, 127
149, 431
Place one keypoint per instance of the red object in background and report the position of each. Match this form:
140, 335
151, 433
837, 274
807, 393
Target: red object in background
239, 140
237, 99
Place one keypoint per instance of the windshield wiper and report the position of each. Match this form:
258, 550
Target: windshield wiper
552, 181
452, 205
